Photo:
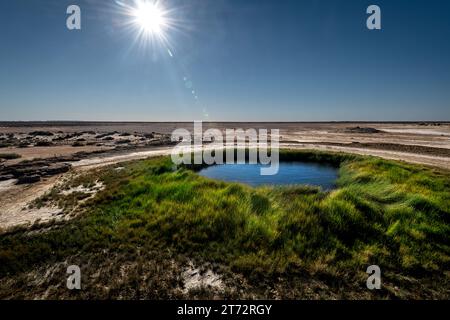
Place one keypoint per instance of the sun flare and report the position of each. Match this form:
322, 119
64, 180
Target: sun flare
149, 16
151, 22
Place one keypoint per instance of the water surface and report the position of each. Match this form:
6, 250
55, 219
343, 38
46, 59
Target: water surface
290, 173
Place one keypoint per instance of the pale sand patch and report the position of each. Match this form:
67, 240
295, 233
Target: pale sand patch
7, 185
194, 279
31, 153
98, 162
433, 161
419, 131
82, 189
392, 138
15, 199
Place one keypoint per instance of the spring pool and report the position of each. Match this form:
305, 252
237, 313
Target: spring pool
290, 173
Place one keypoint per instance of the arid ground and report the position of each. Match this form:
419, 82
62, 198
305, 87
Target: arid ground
47, 152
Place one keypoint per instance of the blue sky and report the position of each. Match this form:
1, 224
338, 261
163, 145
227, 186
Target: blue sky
246, 60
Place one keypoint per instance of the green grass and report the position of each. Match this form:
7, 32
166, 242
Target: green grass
383, 212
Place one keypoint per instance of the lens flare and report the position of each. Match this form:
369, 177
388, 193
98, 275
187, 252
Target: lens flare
150, 21
149, 17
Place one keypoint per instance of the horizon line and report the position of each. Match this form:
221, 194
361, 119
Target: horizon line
216, 121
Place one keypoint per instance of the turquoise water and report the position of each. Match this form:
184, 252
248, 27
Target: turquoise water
289, 173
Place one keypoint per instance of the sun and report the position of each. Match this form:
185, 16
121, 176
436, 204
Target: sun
151, 22
149, 17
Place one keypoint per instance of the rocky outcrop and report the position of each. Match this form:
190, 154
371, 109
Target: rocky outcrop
28, 179
362, 130
33, 171
5, 177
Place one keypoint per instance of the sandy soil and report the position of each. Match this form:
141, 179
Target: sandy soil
47, 152
434, 161
105, 160
14, 201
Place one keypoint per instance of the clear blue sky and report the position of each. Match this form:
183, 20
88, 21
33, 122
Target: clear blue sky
247, 60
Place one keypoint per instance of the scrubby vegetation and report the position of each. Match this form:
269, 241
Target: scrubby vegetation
386, 213
9, 156
44, 143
